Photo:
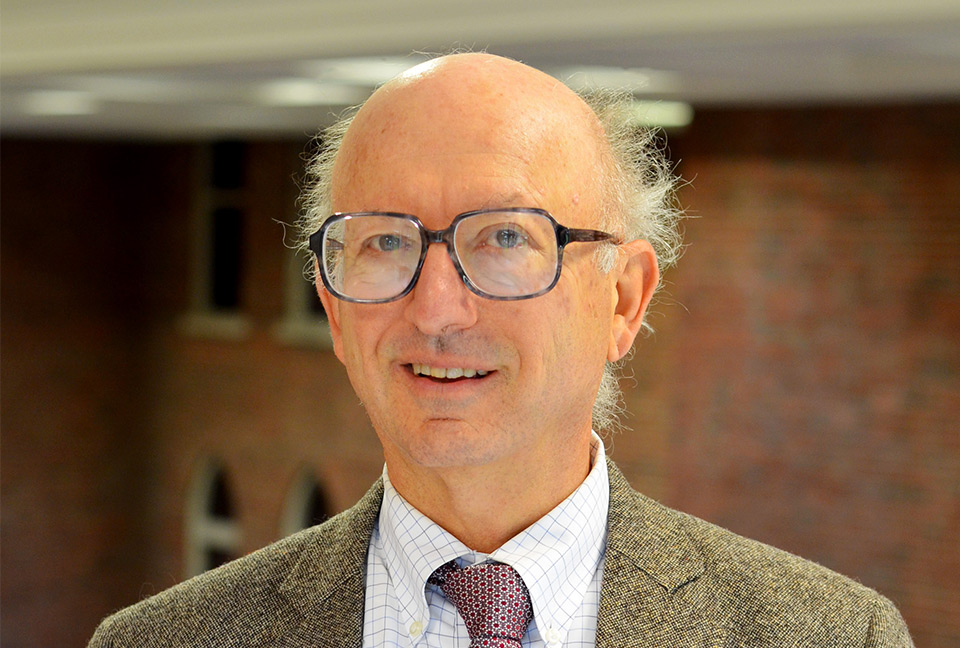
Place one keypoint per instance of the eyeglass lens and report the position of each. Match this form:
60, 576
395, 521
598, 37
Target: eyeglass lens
503, 254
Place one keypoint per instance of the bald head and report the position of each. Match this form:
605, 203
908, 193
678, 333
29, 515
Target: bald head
471, 104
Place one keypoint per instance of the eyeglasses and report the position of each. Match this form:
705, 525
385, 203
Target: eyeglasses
504, 254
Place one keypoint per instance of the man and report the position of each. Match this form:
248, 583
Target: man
494, 247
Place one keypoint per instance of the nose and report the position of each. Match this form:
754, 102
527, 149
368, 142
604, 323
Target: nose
440, 303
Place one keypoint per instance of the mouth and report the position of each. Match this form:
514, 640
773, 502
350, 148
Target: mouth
447, 374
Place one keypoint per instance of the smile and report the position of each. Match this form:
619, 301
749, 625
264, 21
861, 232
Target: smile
449, 373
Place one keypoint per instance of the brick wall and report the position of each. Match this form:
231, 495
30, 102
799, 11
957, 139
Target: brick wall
800, 389
806, 384
74, 312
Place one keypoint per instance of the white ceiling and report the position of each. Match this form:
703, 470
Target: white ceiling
175, 68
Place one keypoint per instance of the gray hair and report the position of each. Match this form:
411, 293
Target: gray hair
638, 186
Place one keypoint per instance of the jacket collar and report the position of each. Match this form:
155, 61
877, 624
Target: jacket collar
324, 592
652, 592
650, 536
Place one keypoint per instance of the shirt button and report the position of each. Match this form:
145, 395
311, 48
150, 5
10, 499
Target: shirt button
551, 636
416, 628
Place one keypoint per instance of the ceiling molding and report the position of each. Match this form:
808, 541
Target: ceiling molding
225, 68
56, 36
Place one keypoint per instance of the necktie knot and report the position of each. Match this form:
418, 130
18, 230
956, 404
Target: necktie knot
492, 600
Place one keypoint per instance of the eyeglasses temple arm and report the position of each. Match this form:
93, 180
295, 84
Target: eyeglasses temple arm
315, 243
570, 235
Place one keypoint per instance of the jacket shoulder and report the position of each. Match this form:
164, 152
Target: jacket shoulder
218, 599
753, 593
241, 603
773, 594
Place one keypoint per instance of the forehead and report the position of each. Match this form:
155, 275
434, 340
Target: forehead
467, 145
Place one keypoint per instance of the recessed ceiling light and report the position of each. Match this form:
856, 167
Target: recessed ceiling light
139, 89
60, 102
662, 114
307, 92
635, 80
367, 71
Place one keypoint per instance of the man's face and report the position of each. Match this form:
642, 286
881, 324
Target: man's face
511, 383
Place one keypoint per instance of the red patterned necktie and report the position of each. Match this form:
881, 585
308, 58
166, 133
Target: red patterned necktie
492, 600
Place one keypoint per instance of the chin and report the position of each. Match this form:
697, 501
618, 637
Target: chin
449, 444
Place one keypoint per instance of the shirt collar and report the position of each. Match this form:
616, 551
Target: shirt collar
556, 556
413, 547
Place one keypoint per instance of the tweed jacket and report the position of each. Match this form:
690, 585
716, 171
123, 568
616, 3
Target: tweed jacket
669, 580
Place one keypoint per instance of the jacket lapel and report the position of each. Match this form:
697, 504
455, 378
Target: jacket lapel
653, 592
652, 596
323, 596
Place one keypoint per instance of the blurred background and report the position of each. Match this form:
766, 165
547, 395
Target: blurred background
169, 400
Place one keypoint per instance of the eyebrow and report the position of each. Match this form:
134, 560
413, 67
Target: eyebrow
507, 199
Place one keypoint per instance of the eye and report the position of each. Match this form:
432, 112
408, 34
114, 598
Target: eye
382, 243
505, 237
508, 238
387, 242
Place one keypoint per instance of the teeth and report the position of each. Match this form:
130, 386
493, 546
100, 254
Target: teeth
449, 373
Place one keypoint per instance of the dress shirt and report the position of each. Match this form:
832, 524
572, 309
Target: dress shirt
559, 557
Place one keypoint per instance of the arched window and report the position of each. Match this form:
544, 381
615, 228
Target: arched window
212, 532
306, 505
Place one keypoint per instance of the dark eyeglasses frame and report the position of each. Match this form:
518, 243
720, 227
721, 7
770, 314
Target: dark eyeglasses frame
564, 236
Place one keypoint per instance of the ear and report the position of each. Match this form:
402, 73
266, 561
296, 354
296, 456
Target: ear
331, 305
637, 279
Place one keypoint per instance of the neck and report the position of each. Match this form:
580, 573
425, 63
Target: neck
484, 506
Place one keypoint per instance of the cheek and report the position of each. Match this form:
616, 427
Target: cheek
588, 316
353, 361
588, 303
360, 340
564, 332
